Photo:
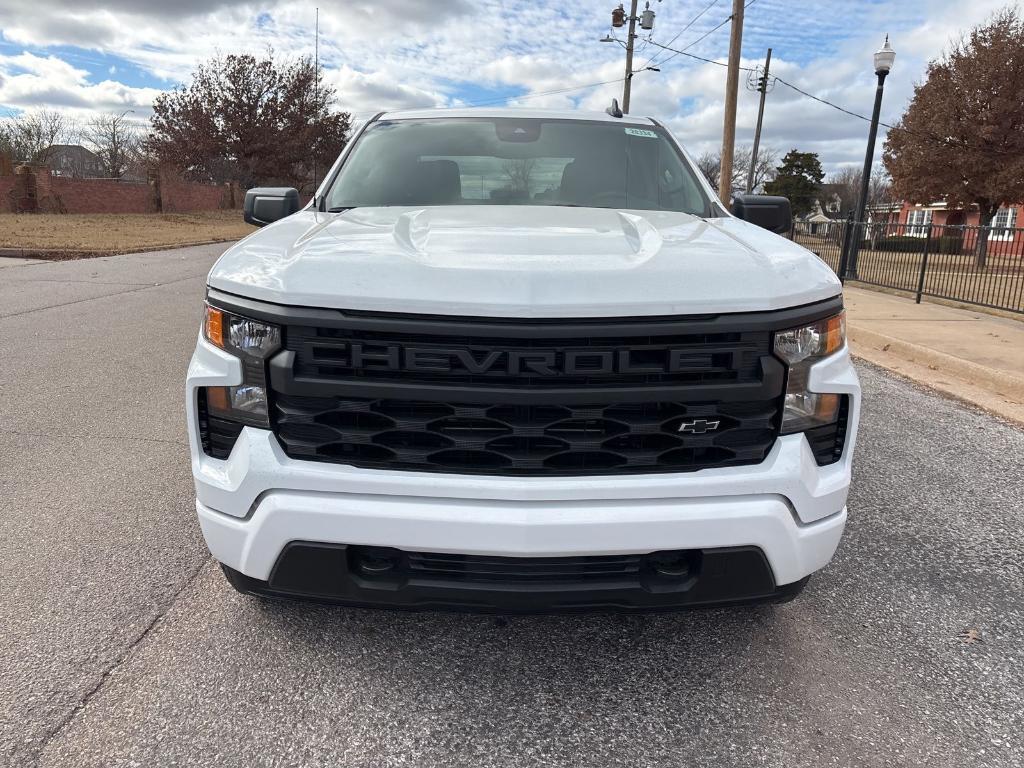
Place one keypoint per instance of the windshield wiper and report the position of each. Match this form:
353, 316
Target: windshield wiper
341, 208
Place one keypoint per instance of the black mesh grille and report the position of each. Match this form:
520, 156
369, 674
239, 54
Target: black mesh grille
539, 397
522, 570
525, 439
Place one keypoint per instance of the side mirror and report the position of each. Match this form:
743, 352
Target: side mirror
265, 205
768, 211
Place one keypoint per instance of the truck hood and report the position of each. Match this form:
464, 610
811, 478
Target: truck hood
522, 261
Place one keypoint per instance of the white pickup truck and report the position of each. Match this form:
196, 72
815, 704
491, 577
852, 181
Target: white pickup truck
520, 361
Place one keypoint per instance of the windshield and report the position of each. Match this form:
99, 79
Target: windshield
514, 161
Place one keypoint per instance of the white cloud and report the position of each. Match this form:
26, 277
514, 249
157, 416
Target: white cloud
28, 81
386, 54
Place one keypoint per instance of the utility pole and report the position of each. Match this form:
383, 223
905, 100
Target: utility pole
629, 57
619, 19
762, 86
732, 84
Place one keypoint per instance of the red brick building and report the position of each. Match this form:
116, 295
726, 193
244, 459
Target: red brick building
1007, 228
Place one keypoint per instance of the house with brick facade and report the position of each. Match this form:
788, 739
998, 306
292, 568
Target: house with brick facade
941, 220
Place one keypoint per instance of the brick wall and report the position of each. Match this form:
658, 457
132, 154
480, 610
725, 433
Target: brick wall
7, 201
180, 196
94, 195
35, 189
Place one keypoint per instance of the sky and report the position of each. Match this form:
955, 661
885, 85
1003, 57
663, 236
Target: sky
85, 58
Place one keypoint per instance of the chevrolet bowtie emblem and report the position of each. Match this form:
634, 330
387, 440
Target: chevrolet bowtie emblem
699, 426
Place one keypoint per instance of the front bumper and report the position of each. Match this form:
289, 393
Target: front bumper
337, 573
252, 505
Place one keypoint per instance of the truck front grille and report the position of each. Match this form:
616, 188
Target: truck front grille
534, 439
528, 397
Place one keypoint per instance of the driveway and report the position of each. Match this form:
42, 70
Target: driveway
121, 644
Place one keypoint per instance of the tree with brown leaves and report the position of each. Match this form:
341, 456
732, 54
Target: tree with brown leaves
962, 137
255, 121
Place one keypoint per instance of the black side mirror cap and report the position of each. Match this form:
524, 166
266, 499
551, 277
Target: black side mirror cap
265, 205
769, 211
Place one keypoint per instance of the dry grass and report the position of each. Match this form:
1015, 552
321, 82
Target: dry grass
103, 233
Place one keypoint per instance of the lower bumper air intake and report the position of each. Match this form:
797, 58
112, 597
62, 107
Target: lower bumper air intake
385, 577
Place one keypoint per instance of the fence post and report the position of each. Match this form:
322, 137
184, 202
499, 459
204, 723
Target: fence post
844, 250
924, 263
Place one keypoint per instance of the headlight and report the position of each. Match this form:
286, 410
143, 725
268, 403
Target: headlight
252, 341
801, 348
240, 335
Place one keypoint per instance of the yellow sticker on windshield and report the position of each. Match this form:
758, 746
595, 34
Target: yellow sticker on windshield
641, 132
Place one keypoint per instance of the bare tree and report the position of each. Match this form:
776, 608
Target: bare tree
846, 184
710, 164
519, 173
764, 169
115, 141
31, 136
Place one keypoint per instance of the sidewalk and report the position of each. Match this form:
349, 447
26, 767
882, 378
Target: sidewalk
969, 355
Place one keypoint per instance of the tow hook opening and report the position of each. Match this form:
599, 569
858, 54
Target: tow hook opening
671, 570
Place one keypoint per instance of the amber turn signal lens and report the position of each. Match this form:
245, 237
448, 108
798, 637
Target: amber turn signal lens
218, 399
835, 333
213, 326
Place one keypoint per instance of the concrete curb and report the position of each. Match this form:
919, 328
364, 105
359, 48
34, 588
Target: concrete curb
68, 254
999, 382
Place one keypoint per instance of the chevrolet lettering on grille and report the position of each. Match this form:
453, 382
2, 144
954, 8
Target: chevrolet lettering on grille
533, 362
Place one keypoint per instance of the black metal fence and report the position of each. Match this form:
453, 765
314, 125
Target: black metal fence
970, 264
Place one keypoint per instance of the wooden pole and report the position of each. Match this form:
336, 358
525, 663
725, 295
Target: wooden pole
732, 84
627, 85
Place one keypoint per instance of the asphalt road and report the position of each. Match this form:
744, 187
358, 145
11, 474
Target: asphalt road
121, 644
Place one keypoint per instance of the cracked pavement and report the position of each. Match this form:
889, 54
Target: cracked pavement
121, 644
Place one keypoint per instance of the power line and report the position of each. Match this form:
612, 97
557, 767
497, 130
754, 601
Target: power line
689, 24
683, 52
699, 39
776, 79
826, 102
946, 142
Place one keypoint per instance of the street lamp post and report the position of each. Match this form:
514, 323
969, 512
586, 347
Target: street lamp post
883, 64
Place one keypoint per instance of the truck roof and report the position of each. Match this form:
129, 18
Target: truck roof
557, 114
